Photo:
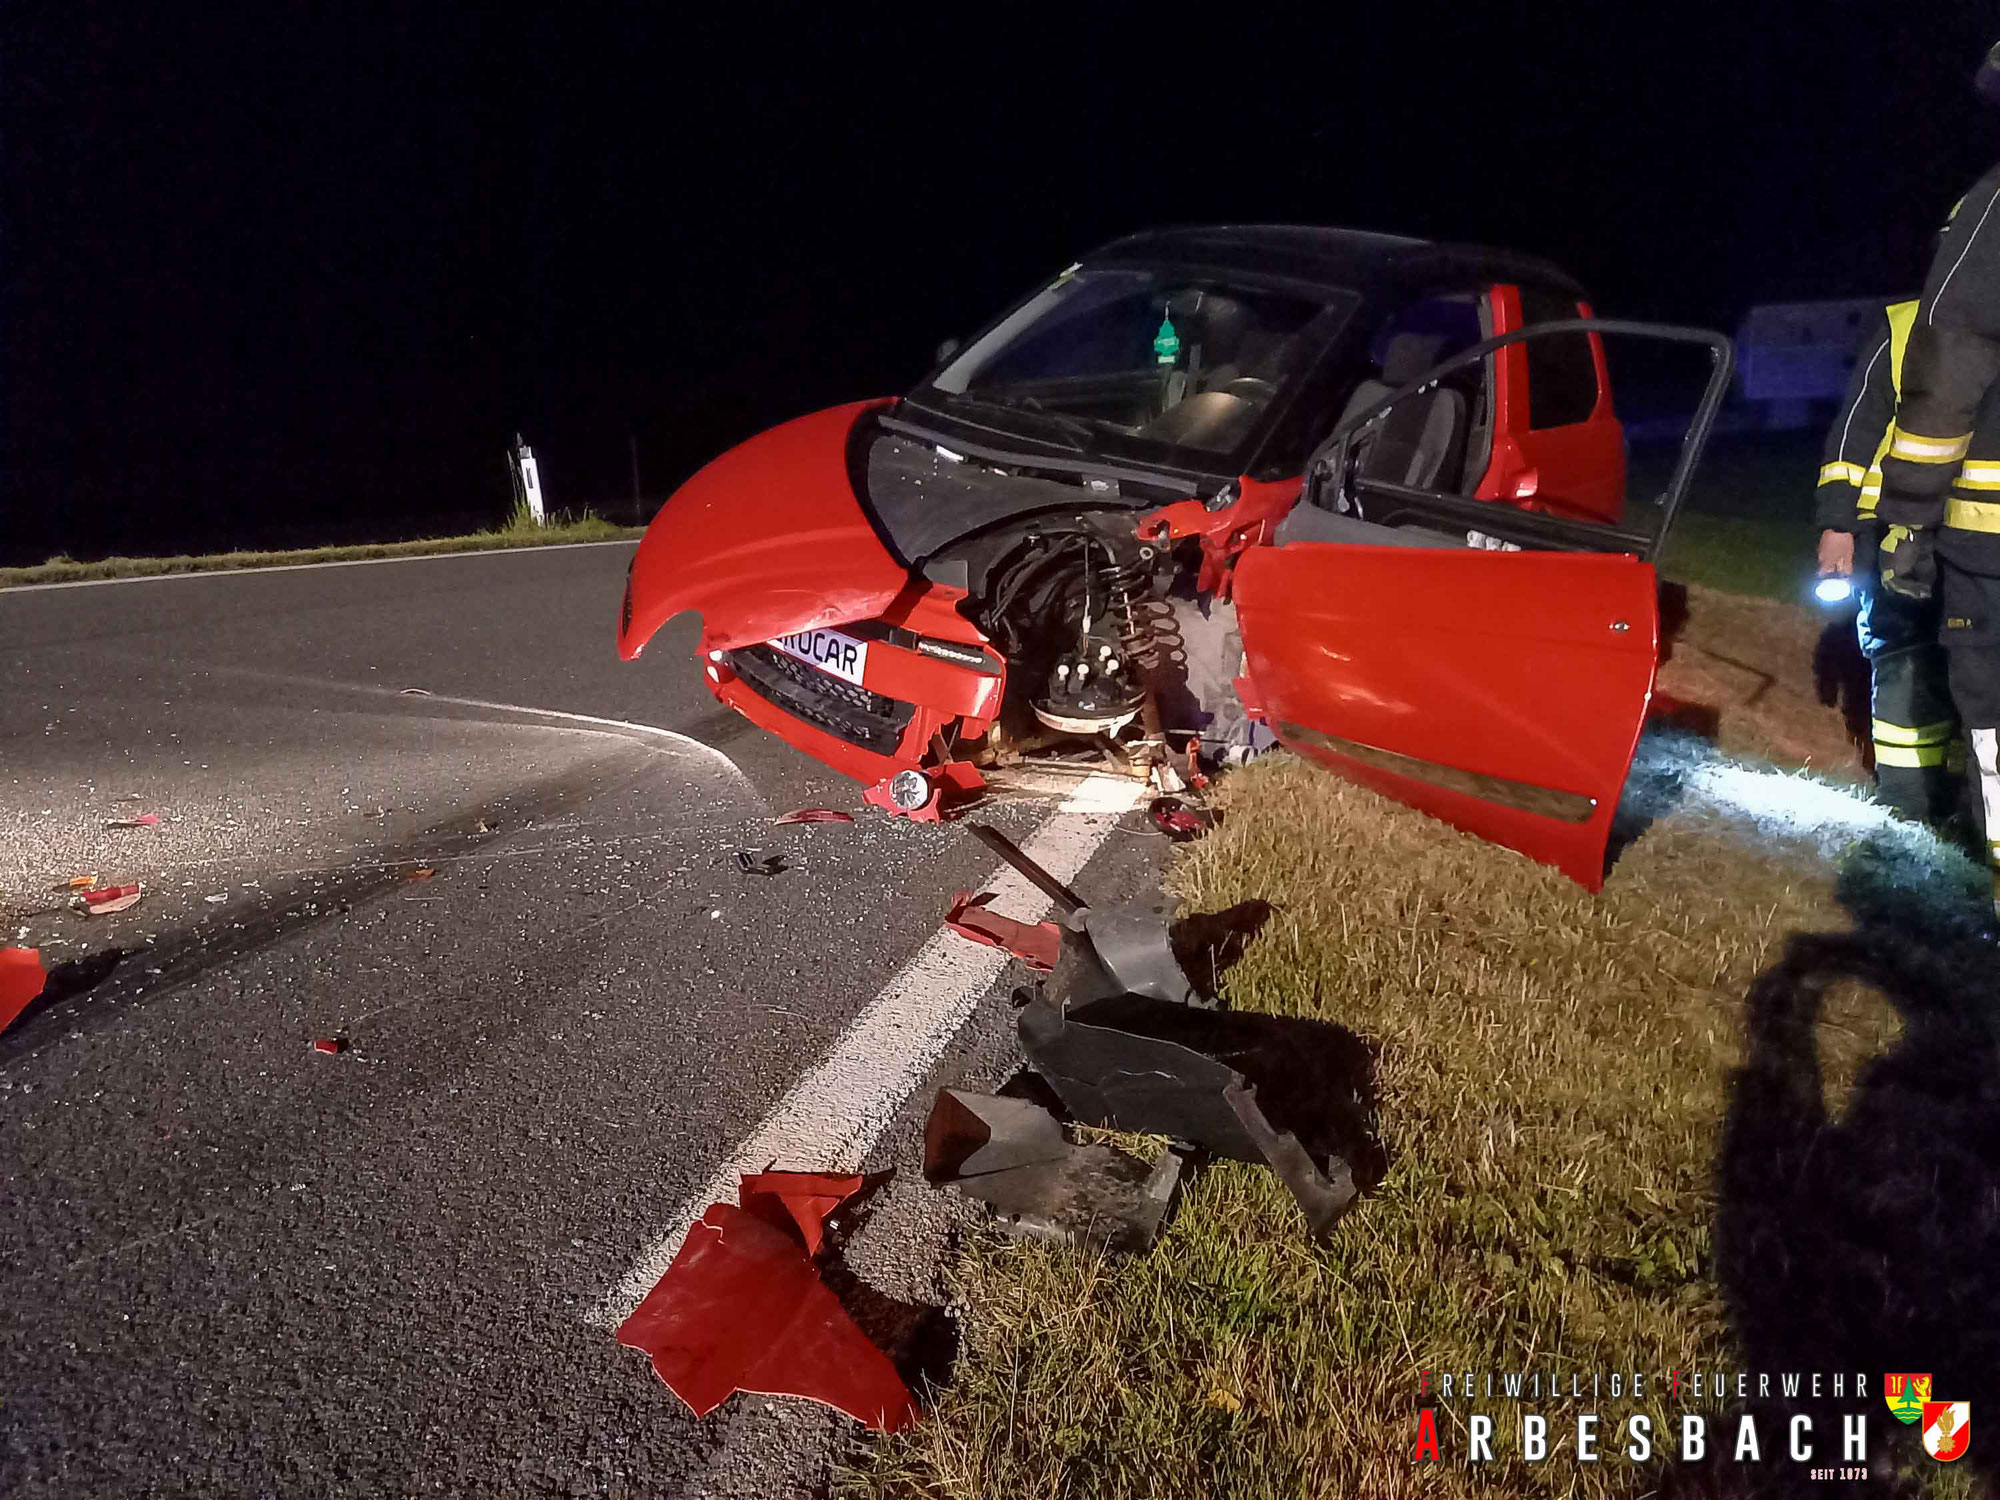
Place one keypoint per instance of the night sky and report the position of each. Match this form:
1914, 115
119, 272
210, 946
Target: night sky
277, 273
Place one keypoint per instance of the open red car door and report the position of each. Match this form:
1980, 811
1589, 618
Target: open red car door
1500, 691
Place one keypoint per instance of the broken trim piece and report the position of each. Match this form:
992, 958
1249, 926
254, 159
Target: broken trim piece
1566, 807
1036, 944
1127, 1080
1011, 1155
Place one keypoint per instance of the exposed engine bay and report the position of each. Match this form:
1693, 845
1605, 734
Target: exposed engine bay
1088, 616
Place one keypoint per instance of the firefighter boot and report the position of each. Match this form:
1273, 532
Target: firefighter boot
1914, 729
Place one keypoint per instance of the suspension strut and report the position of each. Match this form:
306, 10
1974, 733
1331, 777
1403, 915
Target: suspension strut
1151, 639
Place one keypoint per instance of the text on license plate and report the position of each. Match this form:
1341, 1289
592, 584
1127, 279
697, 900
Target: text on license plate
837, 655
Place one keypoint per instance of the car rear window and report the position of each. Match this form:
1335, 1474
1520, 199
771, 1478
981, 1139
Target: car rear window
1562, 375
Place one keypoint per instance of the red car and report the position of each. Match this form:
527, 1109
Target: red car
1362, 493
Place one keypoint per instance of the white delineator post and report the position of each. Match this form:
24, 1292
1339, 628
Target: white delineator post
531, 481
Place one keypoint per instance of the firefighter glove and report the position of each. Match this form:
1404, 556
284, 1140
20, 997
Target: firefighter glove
1909, 563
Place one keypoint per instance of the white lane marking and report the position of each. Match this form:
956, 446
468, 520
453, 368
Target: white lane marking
831, 1118
349, 562
624, 728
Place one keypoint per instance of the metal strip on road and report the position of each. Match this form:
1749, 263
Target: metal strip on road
831, 1118
348, 562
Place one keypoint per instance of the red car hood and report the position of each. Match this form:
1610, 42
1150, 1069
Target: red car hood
766, 540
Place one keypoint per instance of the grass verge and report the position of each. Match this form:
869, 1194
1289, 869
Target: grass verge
517, 533
1766, 556
1585, 1175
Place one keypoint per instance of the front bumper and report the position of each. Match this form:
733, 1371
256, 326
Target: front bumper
870, 731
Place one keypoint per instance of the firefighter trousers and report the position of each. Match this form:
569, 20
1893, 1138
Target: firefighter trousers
1915, 729
1970, 631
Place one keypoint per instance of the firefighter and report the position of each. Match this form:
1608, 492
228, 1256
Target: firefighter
1917, 763
1940, 503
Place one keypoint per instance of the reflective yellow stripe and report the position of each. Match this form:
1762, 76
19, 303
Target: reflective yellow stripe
1902, 318
1911, 757
1927, 734
1841, 472
1972, 515
1979, 474
1917, 449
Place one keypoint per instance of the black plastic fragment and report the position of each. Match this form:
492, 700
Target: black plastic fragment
1011, 1155
1285, 1093
750, 862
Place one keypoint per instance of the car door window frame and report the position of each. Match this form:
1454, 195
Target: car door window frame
1328, 463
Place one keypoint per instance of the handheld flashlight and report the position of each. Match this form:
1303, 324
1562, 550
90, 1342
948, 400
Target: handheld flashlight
1833, 590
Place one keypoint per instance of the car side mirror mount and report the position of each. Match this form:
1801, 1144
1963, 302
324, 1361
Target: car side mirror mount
947, 349
1527, 484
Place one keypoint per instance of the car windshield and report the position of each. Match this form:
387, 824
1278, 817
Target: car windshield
1124, 358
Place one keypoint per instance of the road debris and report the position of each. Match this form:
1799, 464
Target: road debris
22, 978
143, 820
1128, 1042
422, 872
743, 1308
332, 1046
1179, 821
1196, 777
750, 862
77, 883
217, 899
1012, 1155
813, 815
1037, 944
808, 1198
103, 901
1135, 1063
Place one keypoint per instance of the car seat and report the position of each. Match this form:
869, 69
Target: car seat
1420, 441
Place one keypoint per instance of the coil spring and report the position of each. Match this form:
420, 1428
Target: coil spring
1149, 633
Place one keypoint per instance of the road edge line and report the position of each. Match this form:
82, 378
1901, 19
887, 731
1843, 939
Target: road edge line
832, 1116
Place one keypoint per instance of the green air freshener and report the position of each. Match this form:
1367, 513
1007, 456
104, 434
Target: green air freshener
1166, 343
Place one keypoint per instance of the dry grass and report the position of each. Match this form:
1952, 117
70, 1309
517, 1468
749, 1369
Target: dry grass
515, 533
1554, 1075
1771, 670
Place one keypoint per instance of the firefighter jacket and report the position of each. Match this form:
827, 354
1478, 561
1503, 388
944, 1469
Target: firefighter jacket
1942, 468
1850, 479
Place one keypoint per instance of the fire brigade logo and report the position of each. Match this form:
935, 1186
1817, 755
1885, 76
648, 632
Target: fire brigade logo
1906, 1395
1947, 1429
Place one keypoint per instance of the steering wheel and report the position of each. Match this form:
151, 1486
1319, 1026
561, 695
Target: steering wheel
1250, 388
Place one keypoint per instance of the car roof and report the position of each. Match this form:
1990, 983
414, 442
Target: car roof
1356, 258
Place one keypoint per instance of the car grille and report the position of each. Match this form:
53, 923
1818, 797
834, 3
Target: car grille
840, 708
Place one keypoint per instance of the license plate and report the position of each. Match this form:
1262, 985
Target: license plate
835, 654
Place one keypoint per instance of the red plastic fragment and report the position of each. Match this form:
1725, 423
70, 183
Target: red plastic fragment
111, 898
143, 820
805, 1197
21, 980
1037, 944
743, 1309
814, 815
1177, 820
1196, 777
332, 1046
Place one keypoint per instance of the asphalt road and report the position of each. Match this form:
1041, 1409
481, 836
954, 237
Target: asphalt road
236, 1266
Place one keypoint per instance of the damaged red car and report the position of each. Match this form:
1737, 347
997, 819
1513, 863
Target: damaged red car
1364, 495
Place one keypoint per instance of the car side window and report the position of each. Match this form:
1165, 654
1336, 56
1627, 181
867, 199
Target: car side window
1562, 375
